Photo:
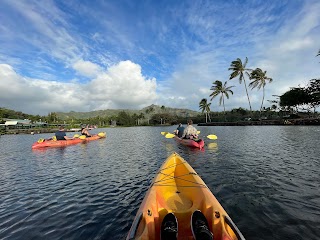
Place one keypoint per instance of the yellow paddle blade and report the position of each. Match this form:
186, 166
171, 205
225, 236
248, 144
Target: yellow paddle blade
54, 138
40, 140
169, 135
212, 136
198, 132
164, 133
101, 134
82, 137
76, 136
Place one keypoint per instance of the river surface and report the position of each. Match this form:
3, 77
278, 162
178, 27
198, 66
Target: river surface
266, 177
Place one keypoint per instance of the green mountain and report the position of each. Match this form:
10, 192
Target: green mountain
147, 111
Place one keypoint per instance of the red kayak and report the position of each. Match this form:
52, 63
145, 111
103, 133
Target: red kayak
199, 143
41, 143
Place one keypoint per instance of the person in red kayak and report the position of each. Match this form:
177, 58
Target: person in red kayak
190, 132
179, 130
61, 134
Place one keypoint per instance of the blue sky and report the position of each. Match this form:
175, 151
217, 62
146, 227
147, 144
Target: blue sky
91, 55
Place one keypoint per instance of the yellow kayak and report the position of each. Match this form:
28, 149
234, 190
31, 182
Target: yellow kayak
178, 189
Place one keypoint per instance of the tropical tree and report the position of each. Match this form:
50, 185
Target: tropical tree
239, 69
223, 90
313, 90
205, 107
294, 97
259, 79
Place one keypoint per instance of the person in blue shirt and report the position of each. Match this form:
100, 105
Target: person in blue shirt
179, 130
61, 134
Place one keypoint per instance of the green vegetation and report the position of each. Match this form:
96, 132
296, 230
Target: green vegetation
223, 90
259, 79
299, 98
239, 69
204, 106
291, 102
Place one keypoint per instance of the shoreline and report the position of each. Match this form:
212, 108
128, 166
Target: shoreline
279, 122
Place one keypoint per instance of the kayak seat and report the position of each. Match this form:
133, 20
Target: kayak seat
179, 202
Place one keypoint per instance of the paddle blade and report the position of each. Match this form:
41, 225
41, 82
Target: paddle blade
82, 137
164, 133
198, 132
169, 135
102, 134
40, 140
212, 136
76, 136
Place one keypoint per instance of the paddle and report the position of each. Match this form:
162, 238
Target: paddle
211, 136
164, 133
41, 140
82, 137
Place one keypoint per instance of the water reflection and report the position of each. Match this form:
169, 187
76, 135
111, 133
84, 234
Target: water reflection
213, 147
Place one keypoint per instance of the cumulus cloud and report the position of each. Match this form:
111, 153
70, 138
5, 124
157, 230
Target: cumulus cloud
124, 85
120, 86
86, 68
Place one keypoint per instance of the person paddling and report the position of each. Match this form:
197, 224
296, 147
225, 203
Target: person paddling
61, 134
84, 131
179, 130
190, 132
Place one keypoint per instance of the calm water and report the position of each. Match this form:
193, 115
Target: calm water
267, 178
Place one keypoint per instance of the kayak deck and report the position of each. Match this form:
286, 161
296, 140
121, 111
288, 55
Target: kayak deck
177, 188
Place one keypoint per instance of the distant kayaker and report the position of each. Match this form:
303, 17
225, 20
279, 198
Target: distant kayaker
61, 134
179, 130
190, 132
84, 131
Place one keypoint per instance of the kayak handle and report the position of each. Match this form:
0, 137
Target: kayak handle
234, 228
134, 227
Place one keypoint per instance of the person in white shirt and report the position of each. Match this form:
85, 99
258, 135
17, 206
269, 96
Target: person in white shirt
190, 132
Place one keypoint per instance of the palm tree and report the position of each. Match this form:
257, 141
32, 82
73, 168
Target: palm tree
218, 89
205, 107
239, 69
259, 79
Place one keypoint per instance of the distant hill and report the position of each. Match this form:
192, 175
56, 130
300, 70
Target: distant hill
113, 112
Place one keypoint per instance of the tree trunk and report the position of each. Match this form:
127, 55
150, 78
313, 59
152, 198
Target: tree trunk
262, 101
224, 109
245, 85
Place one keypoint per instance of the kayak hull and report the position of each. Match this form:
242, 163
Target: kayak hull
177, 188
64, 143
190, 143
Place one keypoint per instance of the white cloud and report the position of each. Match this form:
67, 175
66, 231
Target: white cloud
121, 86
124, 85
87, 68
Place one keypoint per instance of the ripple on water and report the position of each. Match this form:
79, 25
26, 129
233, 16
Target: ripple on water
266, 180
